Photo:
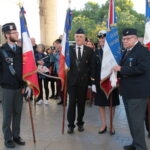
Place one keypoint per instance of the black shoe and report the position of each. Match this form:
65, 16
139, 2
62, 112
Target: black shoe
52, 96
19, 141
70, 130
80, 128
129, 147
9, 144
103, 131
112, 133
56, 97
60, 103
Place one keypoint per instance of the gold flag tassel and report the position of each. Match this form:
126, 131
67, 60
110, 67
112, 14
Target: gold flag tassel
20, 3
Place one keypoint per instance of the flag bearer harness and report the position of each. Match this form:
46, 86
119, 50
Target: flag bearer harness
9, 62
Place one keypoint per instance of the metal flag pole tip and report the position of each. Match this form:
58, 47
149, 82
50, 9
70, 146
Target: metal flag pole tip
20, 3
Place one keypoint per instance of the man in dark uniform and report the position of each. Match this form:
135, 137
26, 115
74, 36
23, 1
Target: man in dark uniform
11, 83
81, 67
134, 86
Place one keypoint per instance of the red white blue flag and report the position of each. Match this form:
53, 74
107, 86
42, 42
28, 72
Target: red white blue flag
64, 62
29, 65
111, 14
147, 25
111, 53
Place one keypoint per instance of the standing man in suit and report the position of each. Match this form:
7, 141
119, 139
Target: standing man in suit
81, 71
12, 84
134, 86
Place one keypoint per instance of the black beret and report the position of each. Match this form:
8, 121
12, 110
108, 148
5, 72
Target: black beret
8, 27
129, 31
80, 31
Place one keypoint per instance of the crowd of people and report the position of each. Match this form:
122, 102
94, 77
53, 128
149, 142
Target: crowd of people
47, 61
85, 69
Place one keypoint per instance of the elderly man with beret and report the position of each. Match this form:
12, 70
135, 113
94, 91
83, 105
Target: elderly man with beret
134, 86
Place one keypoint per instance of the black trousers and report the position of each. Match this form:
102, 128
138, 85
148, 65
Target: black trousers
77, 97
1, 97
135, 111
147, 121
52, 81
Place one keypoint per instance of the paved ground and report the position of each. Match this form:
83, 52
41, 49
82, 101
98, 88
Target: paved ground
48, 130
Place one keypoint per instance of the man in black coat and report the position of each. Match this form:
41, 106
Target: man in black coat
81, 67
12, 84
134, 86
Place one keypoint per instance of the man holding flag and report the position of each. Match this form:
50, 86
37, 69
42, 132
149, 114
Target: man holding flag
12, 84
134, 86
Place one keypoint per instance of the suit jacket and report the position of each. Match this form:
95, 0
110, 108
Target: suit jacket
134, 74
80, 73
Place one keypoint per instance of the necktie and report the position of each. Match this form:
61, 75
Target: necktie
79, 53
126, 54
14, 48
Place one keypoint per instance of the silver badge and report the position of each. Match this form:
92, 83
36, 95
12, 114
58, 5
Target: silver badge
11, 27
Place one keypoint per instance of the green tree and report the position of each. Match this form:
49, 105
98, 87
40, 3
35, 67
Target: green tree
93, 18
89, 25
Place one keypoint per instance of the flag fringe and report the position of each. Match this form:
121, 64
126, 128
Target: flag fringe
112, 88
31, 84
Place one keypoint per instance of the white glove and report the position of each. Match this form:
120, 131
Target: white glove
28, 92
93, 88
113, 79
89, 87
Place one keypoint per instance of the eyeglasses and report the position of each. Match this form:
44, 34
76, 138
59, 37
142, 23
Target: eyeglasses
127, 38
13, 33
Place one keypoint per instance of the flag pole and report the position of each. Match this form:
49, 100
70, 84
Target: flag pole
111, 114
32, 123
65, 89
29, 103
65, 102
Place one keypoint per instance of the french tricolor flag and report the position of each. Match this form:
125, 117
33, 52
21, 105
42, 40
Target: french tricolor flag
64, 61
111, 14
29, 65
147, 25
111, 53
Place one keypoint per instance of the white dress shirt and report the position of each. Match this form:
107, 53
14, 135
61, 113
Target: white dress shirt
81, 49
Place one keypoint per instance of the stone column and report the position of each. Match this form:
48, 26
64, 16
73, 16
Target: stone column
48, 21
2, 38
